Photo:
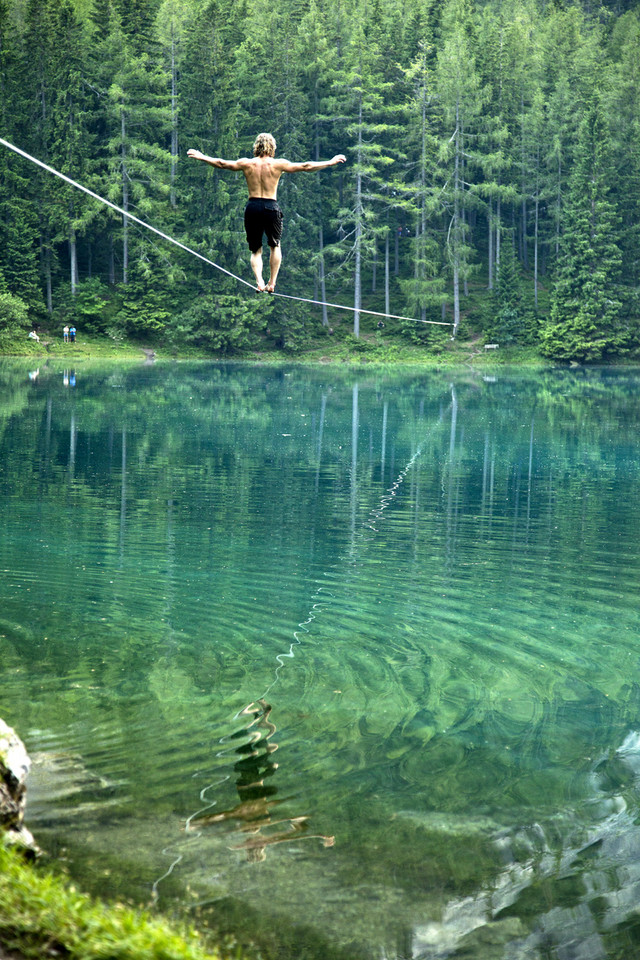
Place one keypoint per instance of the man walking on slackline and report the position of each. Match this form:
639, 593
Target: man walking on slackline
262, 213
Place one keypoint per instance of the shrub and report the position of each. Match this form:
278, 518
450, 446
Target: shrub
14, 315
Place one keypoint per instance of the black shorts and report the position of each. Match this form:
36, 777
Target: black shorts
262, 216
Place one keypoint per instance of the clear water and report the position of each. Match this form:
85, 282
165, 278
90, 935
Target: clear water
343, 663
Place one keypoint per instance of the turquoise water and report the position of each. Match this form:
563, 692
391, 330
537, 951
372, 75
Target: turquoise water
343, 663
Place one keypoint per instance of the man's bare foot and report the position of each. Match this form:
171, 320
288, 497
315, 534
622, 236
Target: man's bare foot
261, 286
271, 286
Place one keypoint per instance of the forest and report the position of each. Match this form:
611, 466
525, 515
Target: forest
491, 190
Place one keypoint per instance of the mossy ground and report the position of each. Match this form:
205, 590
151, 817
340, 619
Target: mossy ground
43, 915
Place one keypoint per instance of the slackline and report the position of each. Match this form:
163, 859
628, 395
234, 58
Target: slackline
200, 256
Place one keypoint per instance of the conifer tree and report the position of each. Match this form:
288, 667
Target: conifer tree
19, 231
453, 117
462, 96
138, 122
585, 313
210, 106
317, 195
71, 147
570, 60
38, 85
621, 99
424, 290
508, 322
359, 94
171, 24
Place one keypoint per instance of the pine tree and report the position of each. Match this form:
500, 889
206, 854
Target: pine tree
621, 97
71, 145
209, 109
585, 314
570, 58
508, 324
38, 90
359, 92
318, 194
462, 96
424, 290
172, 21
137, 128
19, 229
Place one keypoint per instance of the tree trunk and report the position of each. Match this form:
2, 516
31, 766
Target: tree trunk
456, 229
73, 259
558, 207
456, 298
45, 262
323, 288
174, 119
498, 234
535, 251
490, 223
463, 237
125, 201
357, 302
387, 299
524, 253
354, 465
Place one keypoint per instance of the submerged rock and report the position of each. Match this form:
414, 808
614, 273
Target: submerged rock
14, 768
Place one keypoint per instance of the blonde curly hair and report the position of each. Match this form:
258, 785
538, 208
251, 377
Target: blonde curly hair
265, 146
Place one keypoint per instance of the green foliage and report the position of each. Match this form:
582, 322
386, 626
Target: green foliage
91, 308
223, 324
460, 122
508, 324
585, 311
14, 315
39, 910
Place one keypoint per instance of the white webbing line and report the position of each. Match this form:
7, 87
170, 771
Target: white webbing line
200, 256
373, 313
125, 213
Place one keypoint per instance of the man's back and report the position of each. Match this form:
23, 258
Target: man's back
262, 175
262, 214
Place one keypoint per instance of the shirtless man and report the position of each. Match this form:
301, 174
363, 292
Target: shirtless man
262, 213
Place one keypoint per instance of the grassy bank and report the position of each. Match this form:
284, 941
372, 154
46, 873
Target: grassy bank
42, 916
340, 349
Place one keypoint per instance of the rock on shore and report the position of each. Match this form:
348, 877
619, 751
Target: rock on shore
14, 768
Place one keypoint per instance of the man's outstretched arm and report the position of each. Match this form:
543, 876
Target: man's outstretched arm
216, 161
308, 165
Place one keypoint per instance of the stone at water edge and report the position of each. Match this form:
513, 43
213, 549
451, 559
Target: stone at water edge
14, 768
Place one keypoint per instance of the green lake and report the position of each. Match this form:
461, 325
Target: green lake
342, 662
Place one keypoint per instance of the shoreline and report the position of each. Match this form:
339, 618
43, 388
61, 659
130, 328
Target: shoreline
42, 914
347, 352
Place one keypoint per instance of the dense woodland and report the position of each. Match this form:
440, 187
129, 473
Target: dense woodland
493, 174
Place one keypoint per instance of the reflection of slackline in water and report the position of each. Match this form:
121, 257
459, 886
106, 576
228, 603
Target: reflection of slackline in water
262, 214
257, 798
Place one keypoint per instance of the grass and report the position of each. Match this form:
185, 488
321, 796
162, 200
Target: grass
42, 915
388, 348
85, 348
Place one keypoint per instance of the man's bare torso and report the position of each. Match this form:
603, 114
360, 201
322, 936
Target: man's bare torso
262, 175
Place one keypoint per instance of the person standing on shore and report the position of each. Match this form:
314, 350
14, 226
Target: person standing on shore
262, 215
